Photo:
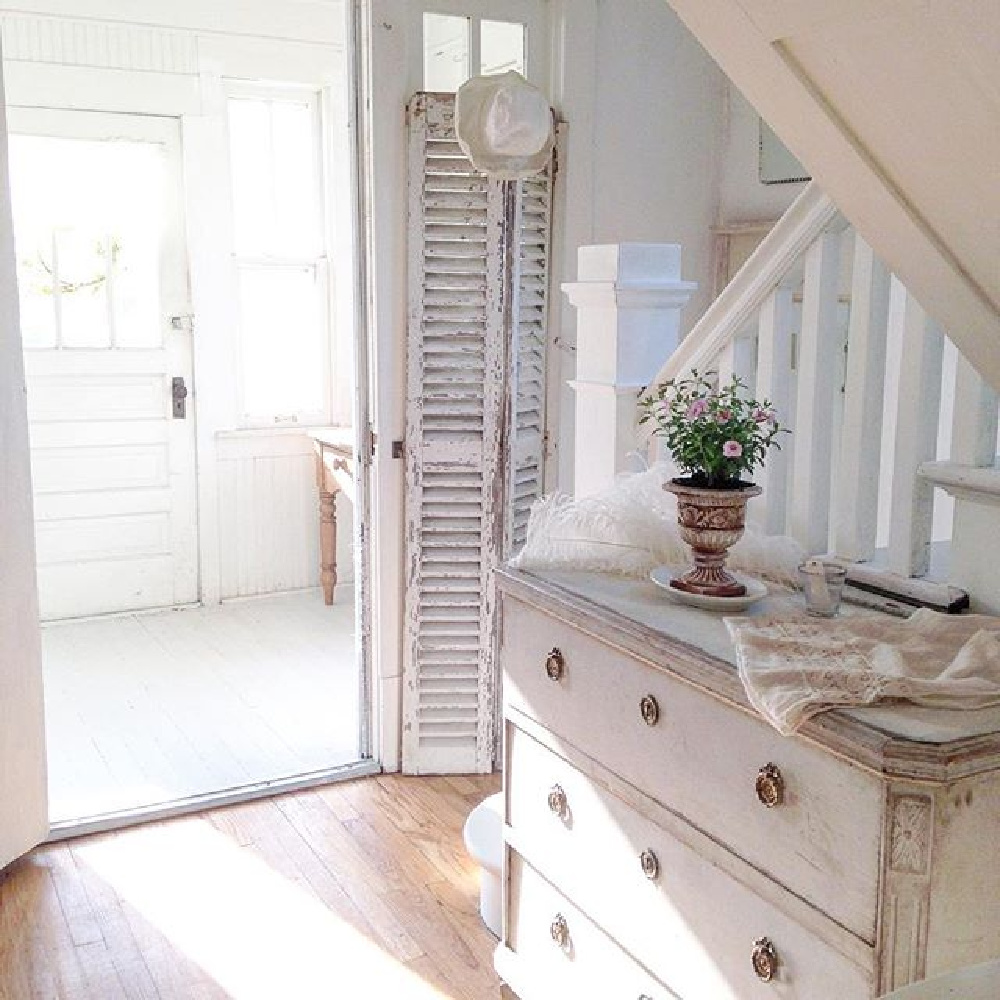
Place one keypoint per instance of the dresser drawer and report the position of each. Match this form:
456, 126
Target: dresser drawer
584, 964
701, 757
691, 924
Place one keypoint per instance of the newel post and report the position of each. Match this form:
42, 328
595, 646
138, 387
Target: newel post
628, 299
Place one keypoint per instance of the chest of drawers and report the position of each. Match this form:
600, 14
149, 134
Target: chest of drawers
662, 841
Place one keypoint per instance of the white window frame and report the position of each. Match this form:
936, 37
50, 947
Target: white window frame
530, 14
319, 263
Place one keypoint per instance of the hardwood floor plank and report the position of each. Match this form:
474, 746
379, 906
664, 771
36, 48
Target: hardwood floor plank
173, 972
83, 925
37, 952
435, 883
352, 870
395, 827
106, 910
270, 835
472, 971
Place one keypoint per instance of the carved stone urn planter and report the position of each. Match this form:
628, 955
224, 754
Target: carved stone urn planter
710, 521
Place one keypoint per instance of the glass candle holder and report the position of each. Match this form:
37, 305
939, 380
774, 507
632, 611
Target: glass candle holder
822, 585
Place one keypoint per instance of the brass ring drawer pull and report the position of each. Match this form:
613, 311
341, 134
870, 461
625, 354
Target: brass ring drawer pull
765, 959
649, 709
650, 864
557, 800
770, 786
555, 664
559, 930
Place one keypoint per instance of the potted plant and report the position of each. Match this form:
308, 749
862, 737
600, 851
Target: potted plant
716, 435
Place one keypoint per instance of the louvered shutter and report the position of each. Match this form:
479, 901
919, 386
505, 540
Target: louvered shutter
474, 435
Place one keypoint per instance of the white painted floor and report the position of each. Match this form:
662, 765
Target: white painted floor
150, 708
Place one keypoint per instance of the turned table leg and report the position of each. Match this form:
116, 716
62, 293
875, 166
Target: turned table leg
328, 543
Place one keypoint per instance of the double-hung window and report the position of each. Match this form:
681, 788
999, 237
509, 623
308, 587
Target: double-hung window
279, 244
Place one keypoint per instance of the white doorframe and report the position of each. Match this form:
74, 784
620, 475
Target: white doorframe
352, 215
213, 297
383, 48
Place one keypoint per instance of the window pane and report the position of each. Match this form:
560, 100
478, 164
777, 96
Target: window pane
88, 221
35, 287
253, 187
281, 327
502, 47
83, 285
446, 52
135, 291
274, 153
297, 222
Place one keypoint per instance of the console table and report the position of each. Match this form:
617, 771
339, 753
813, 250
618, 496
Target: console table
334, 474
662, 841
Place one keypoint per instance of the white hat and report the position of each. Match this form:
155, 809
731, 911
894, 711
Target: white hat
504, 125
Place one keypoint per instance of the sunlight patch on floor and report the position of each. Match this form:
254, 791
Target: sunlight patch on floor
257, 934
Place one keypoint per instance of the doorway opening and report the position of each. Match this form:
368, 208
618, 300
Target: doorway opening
185, 251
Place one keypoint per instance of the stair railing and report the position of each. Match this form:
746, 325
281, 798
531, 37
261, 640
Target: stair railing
853, 365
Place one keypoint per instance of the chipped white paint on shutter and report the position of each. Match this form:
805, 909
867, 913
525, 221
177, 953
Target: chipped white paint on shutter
472, 403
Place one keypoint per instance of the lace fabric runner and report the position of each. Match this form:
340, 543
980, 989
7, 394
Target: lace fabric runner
794, 668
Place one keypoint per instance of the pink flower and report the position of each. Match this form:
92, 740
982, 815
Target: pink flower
723, 416
696, 409
764, 416
732, 449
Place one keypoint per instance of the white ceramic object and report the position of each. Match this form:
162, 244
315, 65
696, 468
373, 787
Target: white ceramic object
662, 575
483, 834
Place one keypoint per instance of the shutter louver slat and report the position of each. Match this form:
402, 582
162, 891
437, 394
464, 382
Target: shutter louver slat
469, 482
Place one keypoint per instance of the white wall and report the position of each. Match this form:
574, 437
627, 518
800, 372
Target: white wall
314, 21
645, 107
742, 197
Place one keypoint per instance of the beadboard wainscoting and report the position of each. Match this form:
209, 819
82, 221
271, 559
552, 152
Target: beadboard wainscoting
269, 515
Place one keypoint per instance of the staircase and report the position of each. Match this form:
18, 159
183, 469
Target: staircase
882, 407
894, 108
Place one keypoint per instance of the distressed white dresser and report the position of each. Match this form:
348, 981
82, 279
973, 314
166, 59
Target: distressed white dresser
662, 841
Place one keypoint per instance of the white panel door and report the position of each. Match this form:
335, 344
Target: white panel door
104, 305
23, 794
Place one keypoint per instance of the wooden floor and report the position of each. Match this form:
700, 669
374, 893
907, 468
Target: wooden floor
149, 708
356, 890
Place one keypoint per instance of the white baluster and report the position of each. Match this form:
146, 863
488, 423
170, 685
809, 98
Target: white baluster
818, 376
856, 489
974, 424
774, 383
975, 550
737, 358
917, 416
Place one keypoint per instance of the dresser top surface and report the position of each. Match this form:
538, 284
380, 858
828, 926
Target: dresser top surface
635, 616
